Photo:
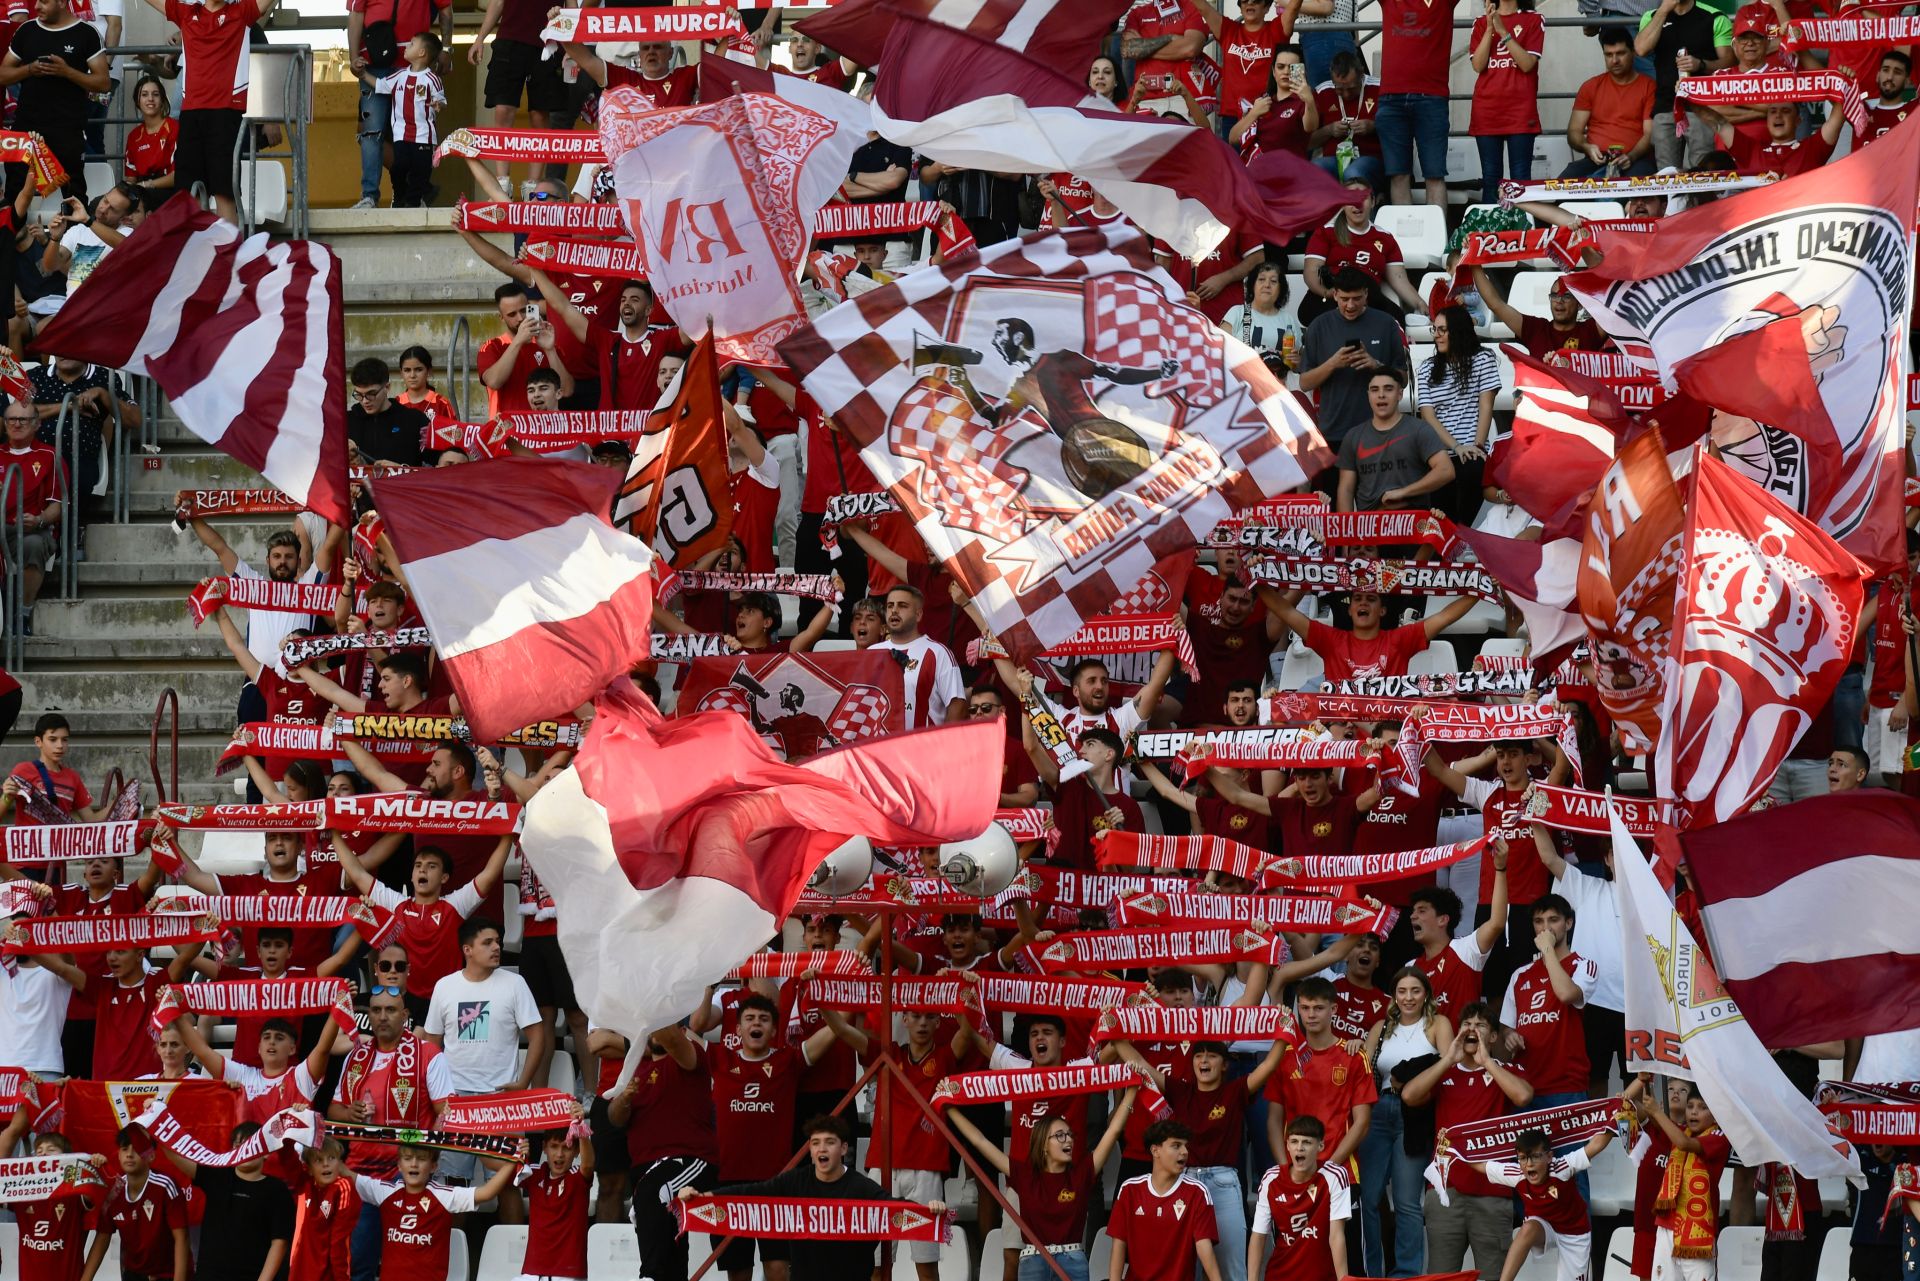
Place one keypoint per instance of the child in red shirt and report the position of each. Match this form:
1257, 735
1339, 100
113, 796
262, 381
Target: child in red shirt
558, 1210
52, 1229
417, 1220
324, 1213
1556, 1213
148, 1212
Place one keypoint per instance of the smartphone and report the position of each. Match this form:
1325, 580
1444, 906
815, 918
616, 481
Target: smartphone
533, 313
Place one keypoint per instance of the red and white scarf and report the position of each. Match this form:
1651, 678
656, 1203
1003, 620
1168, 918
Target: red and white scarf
791, 965
1293, 912
799, 1218
880, 218
1494, 1139
51, 843
1434, 685
100, 933
1197, 1023
268, 594
239, 818
199, 504
967, 1088
18, 898
563, 429
1777, 86
1270, 747
1420, 578
378, 1135
404, 1078
1476, 723
1520, 244
841, 508
548, 146
1307, 709
1080, 891
1179, 853
1555, 190
811, 586
36, 1178
1823, 33
539, 215
420, 813
1128, 949
510, 1112
286, 911
1337, 871
1571, 810
684, 647
298, 651
255, 998
1897, 1124
929, 995
587, 258
300, 1125
1019, 994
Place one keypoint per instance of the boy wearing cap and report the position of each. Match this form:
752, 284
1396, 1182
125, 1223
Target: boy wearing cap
1563, 328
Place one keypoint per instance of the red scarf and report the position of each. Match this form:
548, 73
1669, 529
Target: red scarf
1294, 912
1179, 853
968, 1088
1197, 1023
1339, 871
798, 1218
512, 1112
397, 1091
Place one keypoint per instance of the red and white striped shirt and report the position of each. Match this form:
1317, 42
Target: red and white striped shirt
932, 680
417, 98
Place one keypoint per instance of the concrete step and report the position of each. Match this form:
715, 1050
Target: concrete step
94, 758
153, 488
117, 723
170, 578
201, 688
52, 648
135, 619
155, 540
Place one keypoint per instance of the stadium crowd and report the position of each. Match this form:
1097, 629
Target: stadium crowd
1496, 990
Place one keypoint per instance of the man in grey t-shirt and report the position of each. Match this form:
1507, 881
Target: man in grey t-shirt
1340, 351
1389, 462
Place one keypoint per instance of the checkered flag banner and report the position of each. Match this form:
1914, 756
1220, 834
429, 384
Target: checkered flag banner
802, 703
1054, 419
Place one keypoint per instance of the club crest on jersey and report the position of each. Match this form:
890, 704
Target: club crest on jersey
1179, 1209
402, 1092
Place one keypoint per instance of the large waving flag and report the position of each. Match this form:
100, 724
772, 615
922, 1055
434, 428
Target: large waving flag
676, 495
244, 336
1055, 420
1763, 628
1844, 870
1681, 1022
979, 103
1787, 307
674, 848
534, 601
1058, 33
721, 199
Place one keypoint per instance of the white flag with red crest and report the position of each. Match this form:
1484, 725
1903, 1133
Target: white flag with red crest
1763, 628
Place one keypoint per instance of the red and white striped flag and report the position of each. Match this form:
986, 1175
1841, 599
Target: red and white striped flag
1060, 33
244, 336
1564, 430
535, 602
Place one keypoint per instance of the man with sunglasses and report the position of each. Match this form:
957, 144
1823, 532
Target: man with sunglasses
394, 1078
1019, 783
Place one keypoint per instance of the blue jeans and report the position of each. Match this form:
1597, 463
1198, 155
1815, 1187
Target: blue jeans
1561, 1098
1073, 1263
1407, 121
1849, 704
1519, 148
1367, 168
364, 1245
1382, 1155
376, 118
1317, 49
1222, 1183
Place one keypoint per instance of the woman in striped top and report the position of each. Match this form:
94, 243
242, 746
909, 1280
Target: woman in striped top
1456, 386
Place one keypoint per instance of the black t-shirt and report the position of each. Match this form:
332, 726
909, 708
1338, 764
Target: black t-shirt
1692, 31
50, 104
393, 434
878, 156
825, 1259
244, 1218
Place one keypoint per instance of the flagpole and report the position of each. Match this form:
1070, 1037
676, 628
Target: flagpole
894, 1080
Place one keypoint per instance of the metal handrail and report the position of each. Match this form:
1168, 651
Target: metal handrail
119, 459
246, 152
459, 363
13, 493
67, 427
169, 700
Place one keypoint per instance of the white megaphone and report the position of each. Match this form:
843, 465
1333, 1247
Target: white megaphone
983, 866
845, 870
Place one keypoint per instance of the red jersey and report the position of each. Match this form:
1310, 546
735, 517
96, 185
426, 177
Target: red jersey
1174, 1061
1327, 1083
1397, 822
1503, 814
1246, 64
753, 1105
675, 89
1372, 251
74, 900
834, 1069
1298, 1219
1355, 1009
1075, 192
1883, 117
215, 60
150, 154
1555, 1200
1716, 1151
672, 1110
144, 1222
829, 73
246, 1027
310, 947
756, 505
833, 463
417, 1228
323, 1219
1217, 1118
1469, 1094
1415, 40
1078, 816
1555, 1032
1335, 106
1160, 1228
69, 791
917, 1145
53, 1236
1347, 656
1505, 98
558, 1212
512, 398
1055, 1205
429, 931
1151, 18
1784, 158
42, 481
1228, 254
1454, 974
1217, 818
1540, 338
122, 1045
629, 370
1225, 654
1306, 829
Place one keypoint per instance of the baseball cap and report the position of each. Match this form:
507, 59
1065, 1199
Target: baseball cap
1754, 19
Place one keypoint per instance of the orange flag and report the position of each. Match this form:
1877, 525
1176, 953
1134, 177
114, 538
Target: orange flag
677, 496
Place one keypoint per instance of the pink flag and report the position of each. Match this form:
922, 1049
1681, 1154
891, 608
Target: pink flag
1763, 627
674, 848
721, 199
244, 336
535, 602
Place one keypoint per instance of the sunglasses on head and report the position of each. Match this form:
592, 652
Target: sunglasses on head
384, 990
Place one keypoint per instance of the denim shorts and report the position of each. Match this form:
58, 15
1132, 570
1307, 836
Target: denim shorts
1409, 120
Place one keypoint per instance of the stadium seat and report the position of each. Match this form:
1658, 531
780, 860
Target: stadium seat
1833, 1192
957, 1194
1616, 1260
954, 1265
227, 853
560, 1070
459, 1265
614, 1251
1836, 1256
1503, 399
1543, 1265
1101, 1255
834, 647
993, 1263
264, 196
1594, 210
1611, 1179
1740, 1252
1463, 158
1528, 293
1437, 659
1551, 153
100, 178
1515, 647
1420, 229
1484, 619
1302, 667
501, 1254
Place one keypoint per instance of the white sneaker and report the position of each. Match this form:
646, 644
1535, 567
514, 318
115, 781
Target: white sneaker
365, 202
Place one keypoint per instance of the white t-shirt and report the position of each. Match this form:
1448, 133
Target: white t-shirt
932, 680
88, 250
266, 628
1262, 333
1888, 1058
33, 1012
1596, 933
253, 1082
479, 1027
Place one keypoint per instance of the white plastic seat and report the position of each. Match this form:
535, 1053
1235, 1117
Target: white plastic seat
1740, 1252
264, 195
1516, 647
954, 1193
834, 647
1101, 1255
1463, 158
1484, 619
1503, 399
613, 1250
226, 853
1551, 154
100, 178
1594, 210
1420, 229
1617, 1259
1612, 1177
1836, 1256
993, 1263
1437, 659
953, 1261
1528, 293
1301, 668
502, 1253
458, 1263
